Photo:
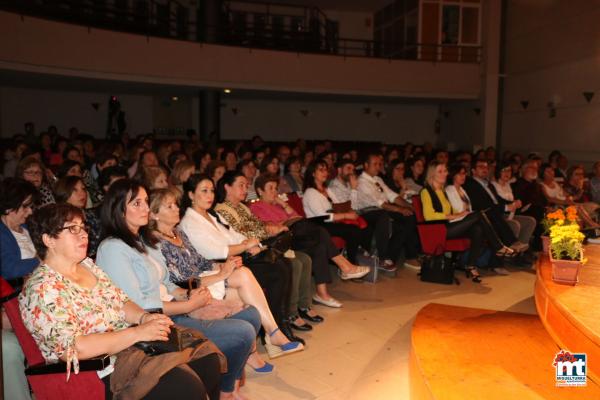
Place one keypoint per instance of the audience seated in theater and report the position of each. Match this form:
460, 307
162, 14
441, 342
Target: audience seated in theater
71, 190
415, 168
523, 226
216, 241
293, 179
125, 255
153, 177
248, 169
308, 237
202, 159
464, 223
343, 189
17, 252
180, 173
12, 157
231, 192
32, 170
576, 190
230, 283
562, 165
283, 154
374, 194
553, 191
230, 159
484, 198
317, 202
146, 158
100, 319
215, 170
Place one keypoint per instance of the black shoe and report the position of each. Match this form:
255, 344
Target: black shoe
473, 274
304, 314
304, 327
287, 331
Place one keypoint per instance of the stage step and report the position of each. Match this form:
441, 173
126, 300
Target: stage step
470, 353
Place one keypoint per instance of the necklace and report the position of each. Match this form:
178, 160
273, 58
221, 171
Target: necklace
172, 237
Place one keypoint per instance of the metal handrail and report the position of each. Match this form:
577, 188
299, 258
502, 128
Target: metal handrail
109, 16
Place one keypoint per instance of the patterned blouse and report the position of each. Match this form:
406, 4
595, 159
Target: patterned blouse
56, 310
183, 262
45, 196
92, 220
241, 219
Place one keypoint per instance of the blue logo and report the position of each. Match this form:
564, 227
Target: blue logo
571, 369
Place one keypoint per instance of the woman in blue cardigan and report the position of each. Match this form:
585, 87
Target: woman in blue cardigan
17, 254
124, 256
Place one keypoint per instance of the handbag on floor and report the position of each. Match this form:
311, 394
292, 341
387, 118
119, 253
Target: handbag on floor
371, 262
438, 268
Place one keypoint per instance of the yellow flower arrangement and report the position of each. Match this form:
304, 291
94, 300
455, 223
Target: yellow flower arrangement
566, 241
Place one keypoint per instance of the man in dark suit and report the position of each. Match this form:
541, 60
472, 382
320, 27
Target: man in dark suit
483, 197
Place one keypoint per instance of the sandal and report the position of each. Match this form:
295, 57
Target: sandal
506, 252
265, 369
277, 351
473, 274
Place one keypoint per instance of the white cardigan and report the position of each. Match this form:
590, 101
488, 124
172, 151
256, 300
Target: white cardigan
456, 202
316, 204
211, 241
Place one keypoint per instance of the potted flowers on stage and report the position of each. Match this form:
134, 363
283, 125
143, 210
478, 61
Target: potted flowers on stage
566, 246
547, 223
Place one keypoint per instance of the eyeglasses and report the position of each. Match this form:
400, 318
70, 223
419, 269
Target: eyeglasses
35, 172
379, 187
75, 229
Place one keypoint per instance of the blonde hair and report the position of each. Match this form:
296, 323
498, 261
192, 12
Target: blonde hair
430, 174
178, 170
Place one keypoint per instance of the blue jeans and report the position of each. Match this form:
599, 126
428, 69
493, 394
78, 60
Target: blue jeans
234, 336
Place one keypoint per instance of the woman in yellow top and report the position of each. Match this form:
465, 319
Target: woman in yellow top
468, 224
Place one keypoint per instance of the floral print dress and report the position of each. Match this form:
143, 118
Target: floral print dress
183, 262
56, 310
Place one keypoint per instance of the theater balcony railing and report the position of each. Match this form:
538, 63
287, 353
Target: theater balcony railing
274, 27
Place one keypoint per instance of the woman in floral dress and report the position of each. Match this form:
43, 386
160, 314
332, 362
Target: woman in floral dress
74, 311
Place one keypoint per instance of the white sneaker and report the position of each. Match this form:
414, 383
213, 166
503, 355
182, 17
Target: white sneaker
501, 271
331, 302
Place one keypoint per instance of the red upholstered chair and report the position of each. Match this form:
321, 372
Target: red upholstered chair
296, 203
49, 382
433, 234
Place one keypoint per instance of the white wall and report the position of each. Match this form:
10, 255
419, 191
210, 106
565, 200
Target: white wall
283, 120
553, 54
67, 109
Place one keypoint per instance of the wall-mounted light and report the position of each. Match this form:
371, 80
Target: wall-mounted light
174, 98
227, 91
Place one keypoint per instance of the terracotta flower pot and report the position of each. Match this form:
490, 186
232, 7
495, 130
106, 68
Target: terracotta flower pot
545, 244
565, 272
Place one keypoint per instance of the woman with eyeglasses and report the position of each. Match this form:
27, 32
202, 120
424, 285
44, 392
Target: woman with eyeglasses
32, 170
17, 253
75, 312
125, 256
